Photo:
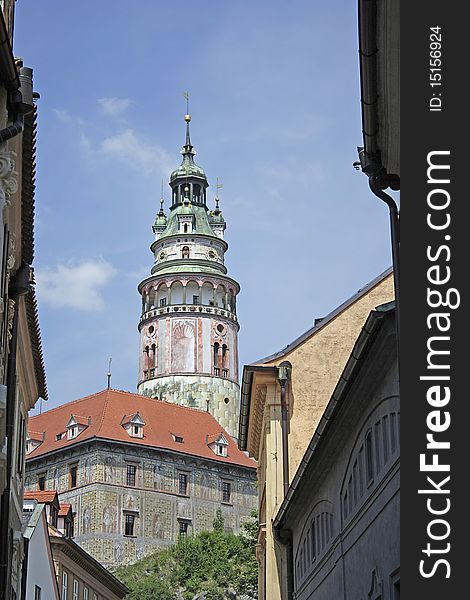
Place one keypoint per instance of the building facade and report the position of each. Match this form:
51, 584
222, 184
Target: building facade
188, 327
22, 378
276, 427
340, 520
138, 472
55, 566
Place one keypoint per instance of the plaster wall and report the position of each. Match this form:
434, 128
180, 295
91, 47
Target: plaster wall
317, 364
102, 497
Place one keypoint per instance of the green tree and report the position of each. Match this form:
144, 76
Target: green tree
212, 562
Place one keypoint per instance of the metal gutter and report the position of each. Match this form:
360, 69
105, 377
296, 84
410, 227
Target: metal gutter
355, 361
367, 20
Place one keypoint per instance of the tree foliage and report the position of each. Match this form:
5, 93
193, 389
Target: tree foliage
212, 562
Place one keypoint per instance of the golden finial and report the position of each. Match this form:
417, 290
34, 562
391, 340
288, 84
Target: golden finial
187, 116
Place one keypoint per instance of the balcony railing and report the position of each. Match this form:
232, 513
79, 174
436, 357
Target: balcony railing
192, 309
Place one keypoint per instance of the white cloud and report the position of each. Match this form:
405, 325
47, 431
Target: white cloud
114, 107
75, 286
136, 152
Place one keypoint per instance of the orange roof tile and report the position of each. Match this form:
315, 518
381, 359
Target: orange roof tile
80, 420
35, 435
41, 496
64, 509
161, 419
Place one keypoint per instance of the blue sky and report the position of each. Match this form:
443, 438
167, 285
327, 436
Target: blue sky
274, 90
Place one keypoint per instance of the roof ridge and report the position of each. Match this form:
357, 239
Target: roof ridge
335, 312
54, 408
105, 406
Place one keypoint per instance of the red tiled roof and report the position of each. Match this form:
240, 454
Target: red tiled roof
35, 435
161, 420
41, 496
80, 420
64, 509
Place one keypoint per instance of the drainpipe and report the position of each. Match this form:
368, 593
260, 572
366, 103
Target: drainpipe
284, 538
379, 180
283, 376
374, 184
21, 103
19, 286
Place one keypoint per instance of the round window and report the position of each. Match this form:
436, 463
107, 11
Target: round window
226, 400
220, 328
151, 329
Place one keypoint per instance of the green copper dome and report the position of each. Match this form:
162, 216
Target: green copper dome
188, 168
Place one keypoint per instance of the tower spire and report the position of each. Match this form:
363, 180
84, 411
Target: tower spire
187, 118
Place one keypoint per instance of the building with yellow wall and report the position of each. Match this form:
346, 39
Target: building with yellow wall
308, 369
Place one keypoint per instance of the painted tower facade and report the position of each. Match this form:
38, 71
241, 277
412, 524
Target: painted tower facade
188, 327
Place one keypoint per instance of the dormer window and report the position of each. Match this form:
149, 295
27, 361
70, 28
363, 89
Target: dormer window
75, 426
178, 438
33, 440
218, 444
134, 425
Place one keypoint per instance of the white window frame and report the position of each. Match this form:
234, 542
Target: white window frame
76, 588
85, 593
64, 585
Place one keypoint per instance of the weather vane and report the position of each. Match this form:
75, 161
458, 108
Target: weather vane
109, 373
186, 95
218, 186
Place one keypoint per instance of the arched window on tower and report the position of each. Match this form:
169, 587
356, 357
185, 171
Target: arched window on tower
185, 251
146, 362
153, 361
185, 228
224, 360
216, 359
196, 192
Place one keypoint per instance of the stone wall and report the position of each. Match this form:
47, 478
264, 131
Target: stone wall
219, 396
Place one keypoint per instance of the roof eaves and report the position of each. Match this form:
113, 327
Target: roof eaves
36, 344
332, 315
245, 400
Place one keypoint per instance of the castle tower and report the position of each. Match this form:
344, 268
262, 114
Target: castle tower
188, 328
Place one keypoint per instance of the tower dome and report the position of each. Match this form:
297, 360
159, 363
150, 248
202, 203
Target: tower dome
188, 326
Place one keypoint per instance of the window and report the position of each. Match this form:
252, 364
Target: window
313, 545
226, 491
183, 483
129, 524
85, 593
64, 585
54, 514
72, 432
185, 252
195, 299
73, 470
37, 592
95, 597
183, 529
21, 445
130, 474
42, 481
221, 449
162, 302
75, 589
178, 439
369, 464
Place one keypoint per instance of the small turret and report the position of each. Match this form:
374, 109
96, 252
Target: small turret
160, 221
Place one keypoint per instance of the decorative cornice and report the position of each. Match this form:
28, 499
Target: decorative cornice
8, 177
